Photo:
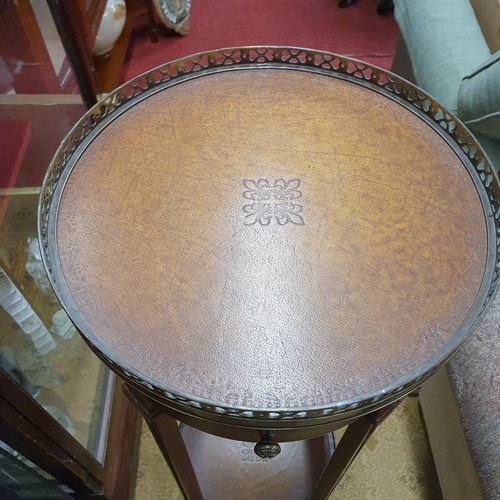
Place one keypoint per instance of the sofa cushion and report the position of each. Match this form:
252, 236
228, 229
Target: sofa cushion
445, 43
475, 377
479, 98
460, 406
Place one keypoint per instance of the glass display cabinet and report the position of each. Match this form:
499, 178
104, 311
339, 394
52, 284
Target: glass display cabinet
63, 417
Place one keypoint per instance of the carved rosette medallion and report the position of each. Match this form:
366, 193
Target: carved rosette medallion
272, 200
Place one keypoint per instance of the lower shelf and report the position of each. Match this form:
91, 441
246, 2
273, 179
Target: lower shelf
228, 469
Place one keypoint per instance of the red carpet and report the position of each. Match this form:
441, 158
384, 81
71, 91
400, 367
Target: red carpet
318, 24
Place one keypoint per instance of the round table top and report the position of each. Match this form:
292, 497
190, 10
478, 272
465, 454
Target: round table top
271, 239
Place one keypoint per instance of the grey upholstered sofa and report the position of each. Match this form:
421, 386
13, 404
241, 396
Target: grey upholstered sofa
444, 50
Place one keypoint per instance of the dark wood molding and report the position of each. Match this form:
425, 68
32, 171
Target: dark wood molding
21, 434
74, 32
29, 409
78, 28
29, 429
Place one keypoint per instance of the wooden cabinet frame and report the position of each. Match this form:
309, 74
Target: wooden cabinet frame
30, 430
78, 25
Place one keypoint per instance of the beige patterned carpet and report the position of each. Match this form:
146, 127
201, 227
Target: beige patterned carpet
395, 464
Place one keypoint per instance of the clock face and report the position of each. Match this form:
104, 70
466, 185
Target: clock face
174, 14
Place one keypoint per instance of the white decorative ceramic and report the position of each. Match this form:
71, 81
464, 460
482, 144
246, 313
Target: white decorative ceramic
111, 27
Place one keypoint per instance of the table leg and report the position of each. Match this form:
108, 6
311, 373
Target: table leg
165, 430
349, 446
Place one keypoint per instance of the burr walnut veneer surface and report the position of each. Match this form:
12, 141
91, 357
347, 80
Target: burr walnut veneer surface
271, 238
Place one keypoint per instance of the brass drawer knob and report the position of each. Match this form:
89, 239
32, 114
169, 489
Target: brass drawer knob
267, 447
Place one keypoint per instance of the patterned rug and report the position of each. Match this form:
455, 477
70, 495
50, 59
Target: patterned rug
395, 464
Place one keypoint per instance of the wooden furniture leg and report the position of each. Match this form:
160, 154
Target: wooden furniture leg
350, 445
165, 430
153, 31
